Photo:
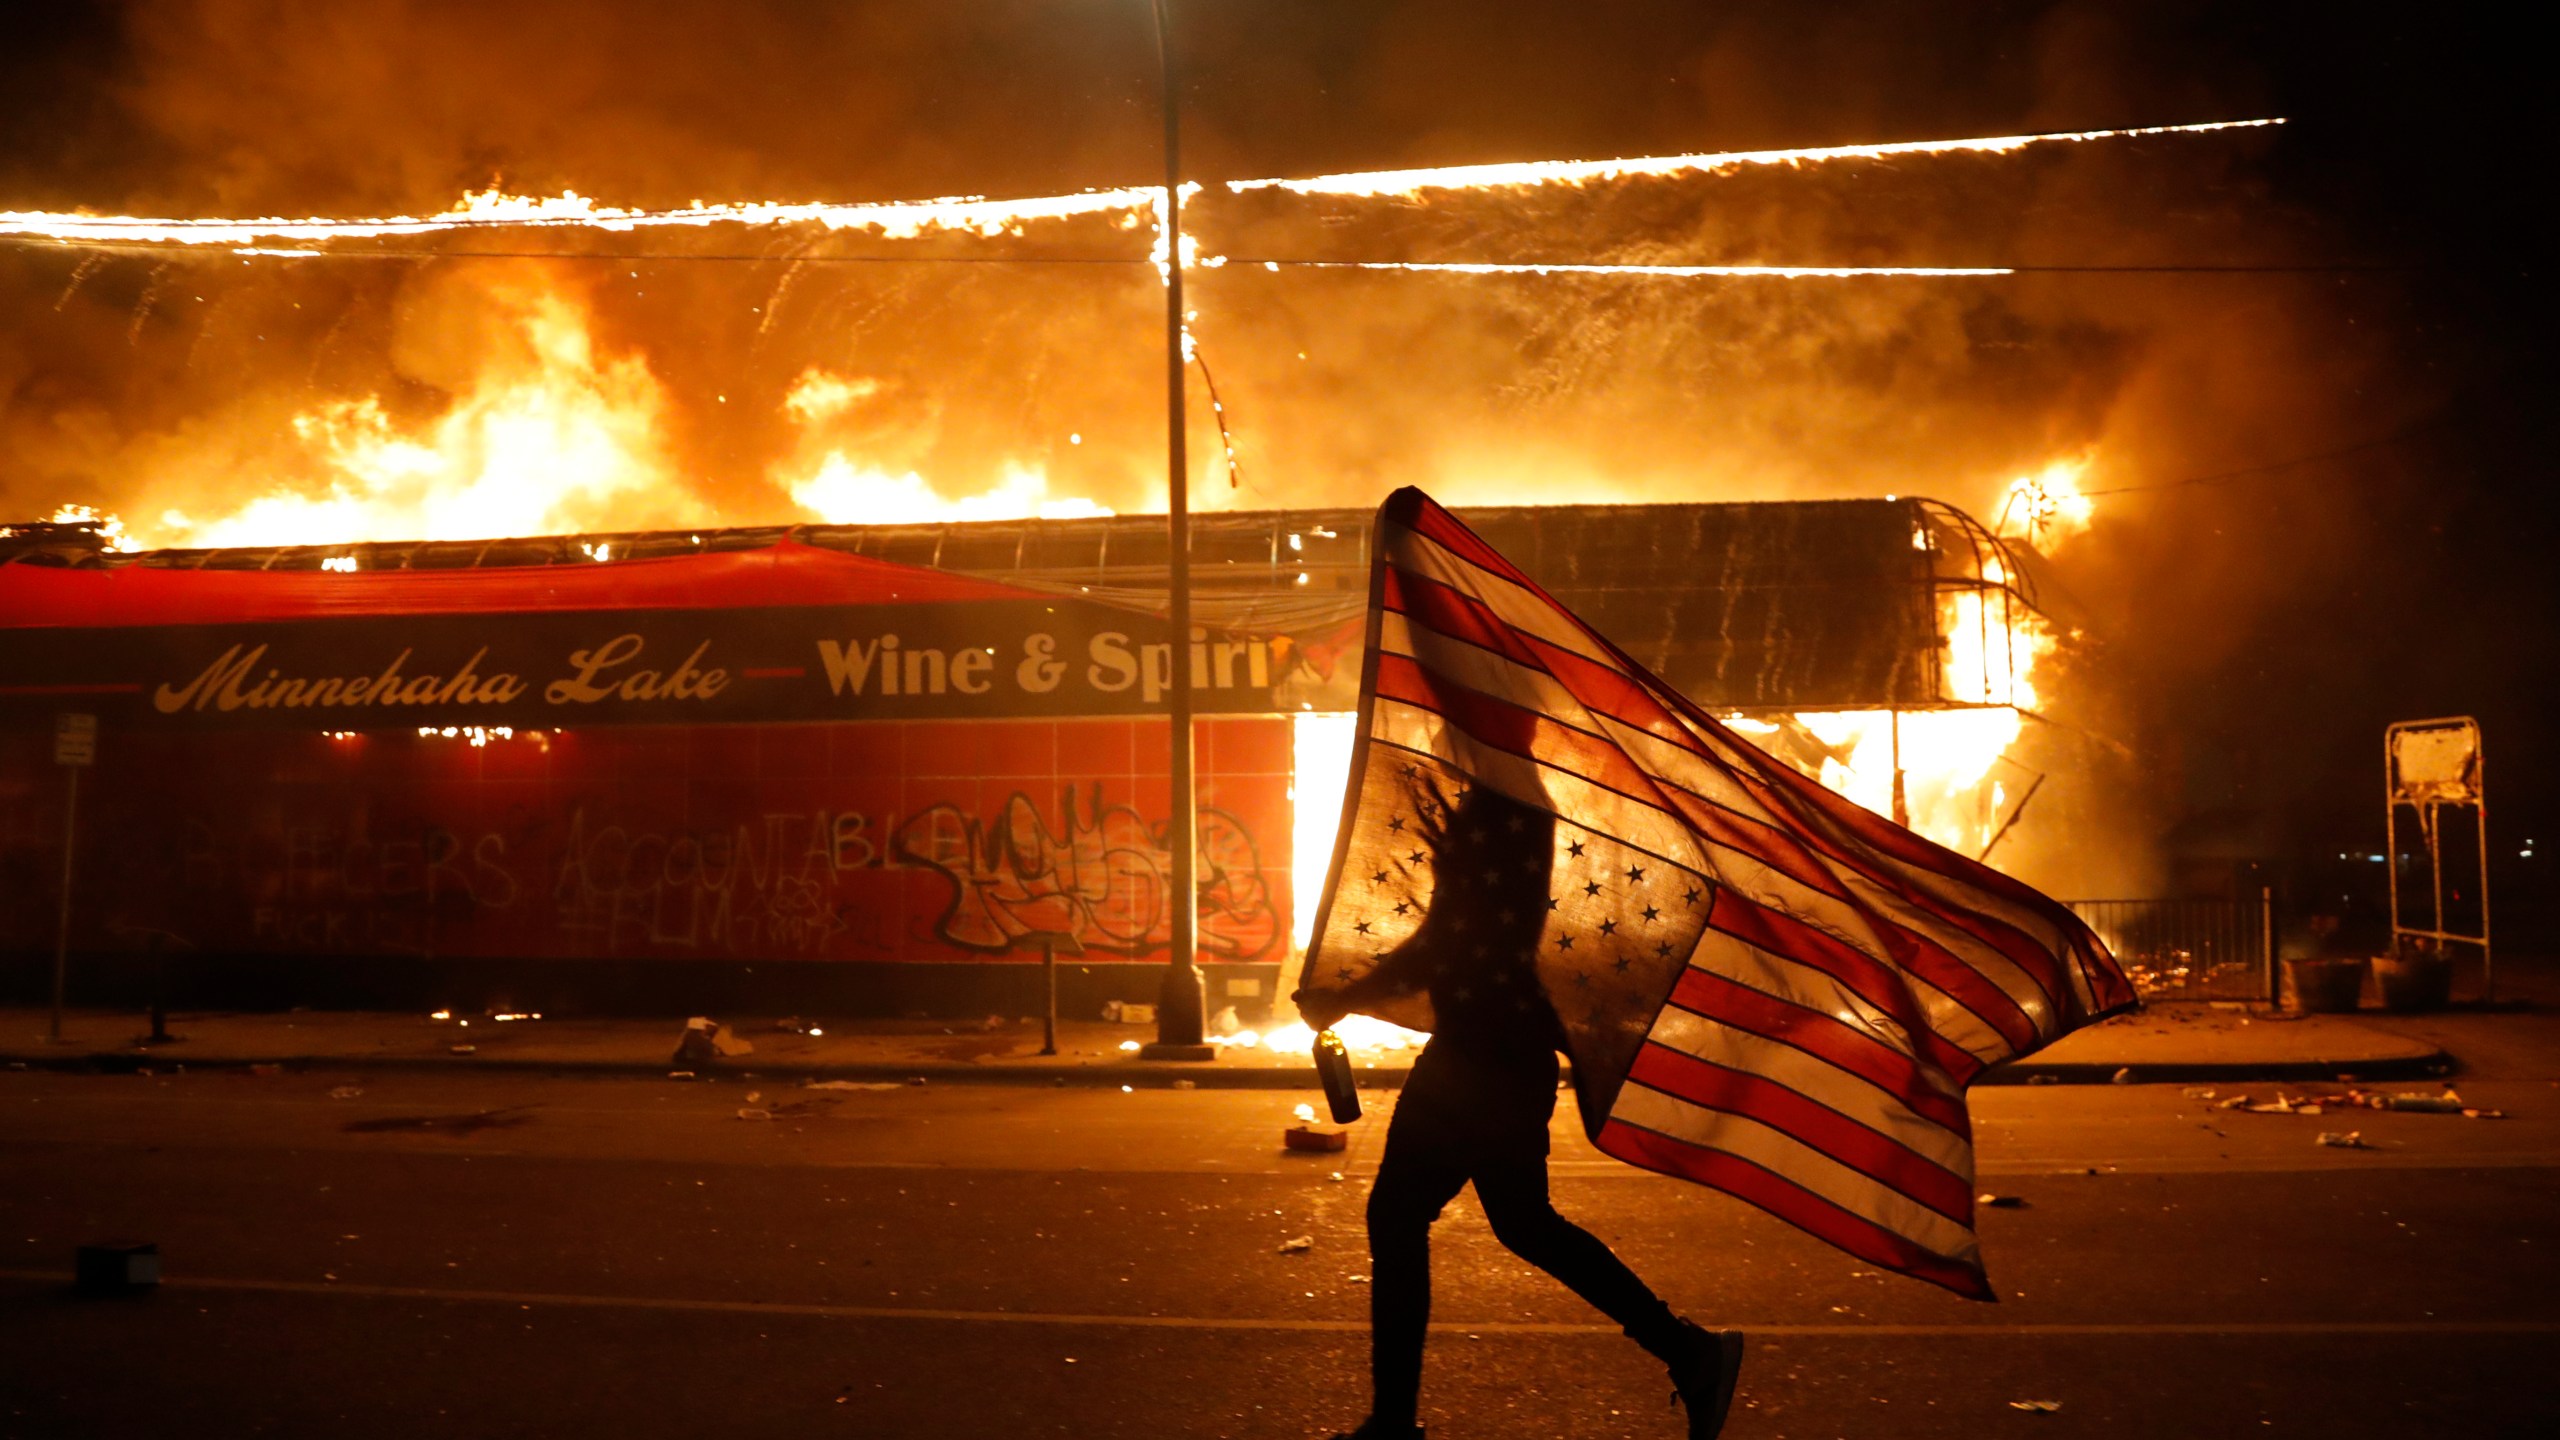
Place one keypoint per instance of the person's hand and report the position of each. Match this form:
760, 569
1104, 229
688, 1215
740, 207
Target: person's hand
1319, 1009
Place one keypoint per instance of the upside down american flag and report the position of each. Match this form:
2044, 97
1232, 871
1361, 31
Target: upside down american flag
1763, 987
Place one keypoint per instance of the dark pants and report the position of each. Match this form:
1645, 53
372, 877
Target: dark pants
1451, 1127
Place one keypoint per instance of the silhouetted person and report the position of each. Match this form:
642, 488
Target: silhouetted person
1476, 1108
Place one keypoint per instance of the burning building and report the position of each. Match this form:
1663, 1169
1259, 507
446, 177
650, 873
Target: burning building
867, 769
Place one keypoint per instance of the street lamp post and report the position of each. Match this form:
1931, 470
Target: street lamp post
1181, 1024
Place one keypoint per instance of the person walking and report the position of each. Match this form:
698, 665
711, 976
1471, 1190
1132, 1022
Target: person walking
1476, 1109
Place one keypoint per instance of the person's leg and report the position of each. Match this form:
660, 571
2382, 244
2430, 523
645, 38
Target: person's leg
1514, 1194
1413, 1186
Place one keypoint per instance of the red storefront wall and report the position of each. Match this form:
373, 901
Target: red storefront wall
908, 844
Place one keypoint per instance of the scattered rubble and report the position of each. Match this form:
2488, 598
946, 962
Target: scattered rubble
1297, 1245
2036, 1407
705, 1040
752, 1113
1309, 1137
2343, 1140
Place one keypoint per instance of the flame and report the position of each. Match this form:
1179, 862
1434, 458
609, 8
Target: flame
980, 216
548, 437
1659, 272
1357, 1032
1583, 172
111, 531
1319, 771
1994, 645
822, 395
826, 479
494, 209
2046, 508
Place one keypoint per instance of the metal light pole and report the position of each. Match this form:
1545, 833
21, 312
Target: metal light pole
1181, 1023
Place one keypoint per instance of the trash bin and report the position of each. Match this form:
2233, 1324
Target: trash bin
2325, 987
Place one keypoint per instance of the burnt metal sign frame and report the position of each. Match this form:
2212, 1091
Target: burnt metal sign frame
2430, 766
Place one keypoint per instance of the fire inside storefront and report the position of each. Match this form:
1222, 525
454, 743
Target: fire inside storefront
862, 770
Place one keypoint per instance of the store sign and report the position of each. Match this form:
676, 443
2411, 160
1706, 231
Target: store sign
980, 659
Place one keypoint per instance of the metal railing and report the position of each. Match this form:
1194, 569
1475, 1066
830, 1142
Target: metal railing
2190, 949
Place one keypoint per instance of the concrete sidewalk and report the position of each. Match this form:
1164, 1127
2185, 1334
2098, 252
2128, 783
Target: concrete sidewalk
2187, 1042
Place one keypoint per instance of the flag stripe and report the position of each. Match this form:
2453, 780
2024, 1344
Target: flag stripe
1735, 1092
1776, 933
1442, 528
1818, 1033
1749, 1139
1792, 1203
1815, 811
1520, 605
1948, 1147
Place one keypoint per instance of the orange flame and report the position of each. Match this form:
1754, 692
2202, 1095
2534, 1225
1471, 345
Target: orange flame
826, 478
550, 436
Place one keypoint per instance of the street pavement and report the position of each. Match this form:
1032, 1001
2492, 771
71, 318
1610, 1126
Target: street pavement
2178, 1041
385, 1253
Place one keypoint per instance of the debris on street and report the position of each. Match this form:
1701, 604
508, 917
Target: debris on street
2037, 1407
853, 1085
1297, 1245
346, 1092
116, 1267
752, 1113
705, 1040
2344, 1139
2001, 1202
1309, 1137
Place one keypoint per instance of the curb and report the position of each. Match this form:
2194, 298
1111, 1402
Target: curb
1161, 1075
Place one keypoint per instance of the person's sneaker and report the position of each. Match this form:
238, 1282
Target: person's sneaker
1372, 1429
1702, 1377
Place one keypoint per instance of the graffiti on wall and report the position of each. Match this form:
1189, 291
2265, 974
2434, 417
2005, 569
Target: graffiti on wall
313, 846
755, 888
1100, 878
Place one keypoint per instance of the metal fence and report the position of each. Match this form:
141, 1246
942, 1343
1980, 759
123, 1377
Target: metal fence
2190, 949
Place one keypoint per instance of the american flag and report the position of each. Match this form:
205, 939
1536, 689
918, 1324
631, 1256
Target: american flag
1763, 987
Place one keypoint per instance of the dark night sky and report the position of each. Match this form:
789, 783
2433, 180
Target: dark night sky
2407, 577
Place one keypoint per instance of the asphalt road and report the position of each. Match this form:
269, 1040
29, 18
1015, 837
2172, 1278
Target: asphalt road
502, 1256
